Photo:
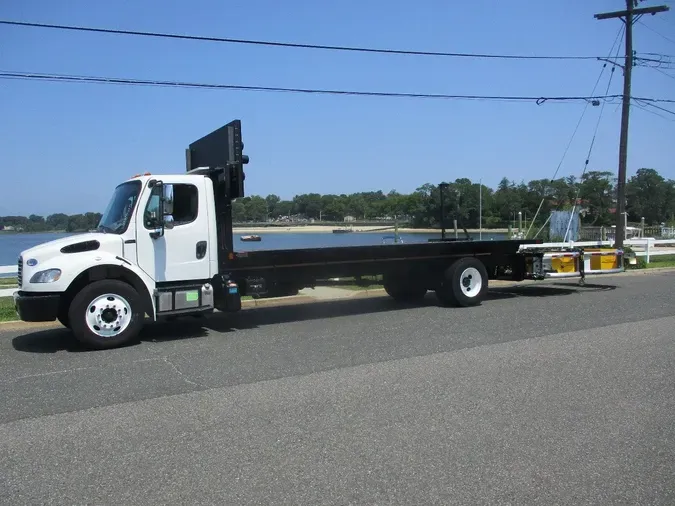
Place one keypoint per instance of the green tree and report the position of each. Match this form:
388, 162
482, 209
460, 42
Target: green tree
58, 221
238, 211
283, 208
596, 192
272, 202
256, 208
646, 196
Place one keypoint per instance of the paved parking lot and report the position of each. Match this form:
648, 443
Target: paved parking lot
548, 393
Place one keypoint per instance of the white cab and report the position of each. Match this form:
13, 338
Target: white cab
184, 251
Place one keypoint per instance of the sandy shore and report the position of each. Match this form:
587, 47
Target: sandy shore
300, 229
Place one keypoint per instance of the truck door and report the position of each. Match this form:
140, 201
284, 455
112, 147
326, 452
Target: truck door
182, 253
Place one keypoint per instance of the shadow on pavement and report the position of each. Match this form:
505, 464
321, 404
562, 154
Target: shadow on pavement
54, 340
47, 341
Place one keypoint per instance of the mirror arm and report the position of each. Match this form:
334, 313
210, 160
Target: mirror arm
159, 231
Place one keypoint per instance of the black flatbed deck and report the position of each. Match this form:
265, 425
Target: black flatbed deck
362, 260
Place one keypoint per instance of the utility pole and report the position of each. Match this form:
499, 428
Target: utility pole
629, 16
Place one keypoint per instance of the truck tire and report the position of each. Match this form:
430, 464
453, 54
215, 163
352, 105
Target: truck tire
404, 290
62, 315
63, 319
106, 314
464, 283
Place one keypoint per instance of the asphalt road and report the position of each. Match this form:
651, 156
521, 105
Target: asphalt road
551, 394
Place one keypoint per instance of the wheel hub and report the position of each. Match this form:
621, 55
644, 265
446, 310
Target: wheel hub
471, 282
108, 315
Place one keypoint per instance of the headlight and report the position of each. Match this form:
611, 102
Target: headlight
48, 276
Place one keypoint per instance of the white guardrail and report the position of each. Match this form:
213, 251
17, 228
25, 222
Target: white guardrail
647, 248
7, 271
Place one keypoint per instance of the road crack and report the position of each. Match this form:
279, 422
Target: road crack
183, 376
73, 369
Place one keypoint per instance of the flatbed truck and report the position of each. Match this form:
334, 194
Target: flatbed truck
164, 248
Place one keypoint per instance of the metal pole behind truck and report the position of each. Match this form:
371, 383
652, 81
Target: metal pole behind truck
441, 189
480, 210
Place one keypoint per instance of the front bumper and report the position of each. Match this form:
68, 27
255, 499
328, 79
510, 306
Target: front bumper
37, 307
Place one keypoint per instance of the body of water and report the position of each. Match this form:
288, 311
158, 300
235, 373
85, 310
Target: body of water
11, 245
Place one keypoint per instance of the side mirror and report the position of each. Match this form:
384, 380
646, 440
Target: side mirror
167, 197
168, 221
165, 213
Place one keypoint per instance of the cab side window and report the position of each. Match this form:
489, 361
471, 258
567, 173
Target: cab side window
185, 206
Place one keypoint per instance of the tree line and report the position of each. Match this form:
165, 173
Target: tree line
54, 222
648, 195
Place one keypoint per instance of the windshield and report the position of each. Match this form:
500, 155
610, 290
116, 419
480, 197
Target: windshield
117, 215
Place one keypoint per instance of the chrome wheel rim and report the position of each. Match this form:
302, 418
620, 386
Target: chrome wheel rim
108, 315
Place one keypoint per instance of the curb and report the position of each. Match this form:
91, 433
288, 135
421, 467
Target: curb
18, 324
635, 272
277, 301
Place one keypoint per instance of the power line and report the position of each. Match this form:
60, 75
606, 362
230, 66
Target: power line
291, 44
656, 32
663, 72
617, 40
313, 91
658, 107
643, 108
590, 151
214, 86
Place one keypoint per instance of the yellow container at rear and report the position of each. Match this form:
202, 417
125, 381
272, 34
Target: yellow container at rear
603, 260
565, 264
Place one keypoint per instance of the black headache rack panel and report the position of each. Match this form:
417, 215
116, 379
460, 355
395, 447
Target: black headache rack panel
220, 156
222, 151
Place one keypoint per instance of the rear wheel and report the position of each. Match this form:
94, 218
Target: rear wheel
464, 284
403, 289
106, 314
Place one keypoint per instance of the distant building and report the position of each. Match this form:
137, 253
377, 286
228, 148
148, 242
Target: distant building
350, 218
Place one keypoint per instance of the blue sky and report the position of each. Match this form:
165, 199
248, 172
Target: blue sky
65, 146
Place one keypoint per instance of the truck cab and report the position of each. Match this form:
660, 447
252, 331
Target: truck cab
154, 253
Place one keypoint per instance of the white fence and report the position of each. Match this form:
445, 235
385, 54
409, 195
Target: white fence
646, 247
8, 269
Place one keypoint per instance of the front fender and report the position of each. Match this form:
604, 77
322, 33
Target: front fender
84, 268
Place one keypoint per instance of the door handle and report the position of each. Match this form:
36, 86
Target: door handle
201, 249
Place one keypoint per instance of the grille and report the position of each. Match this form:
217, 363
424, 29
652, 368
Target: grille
19, 273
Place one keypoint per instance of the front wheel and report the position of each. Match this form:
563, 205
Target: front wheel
106, 314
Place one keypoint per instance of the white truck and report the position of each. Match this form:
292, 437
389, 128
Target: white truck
164, 247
